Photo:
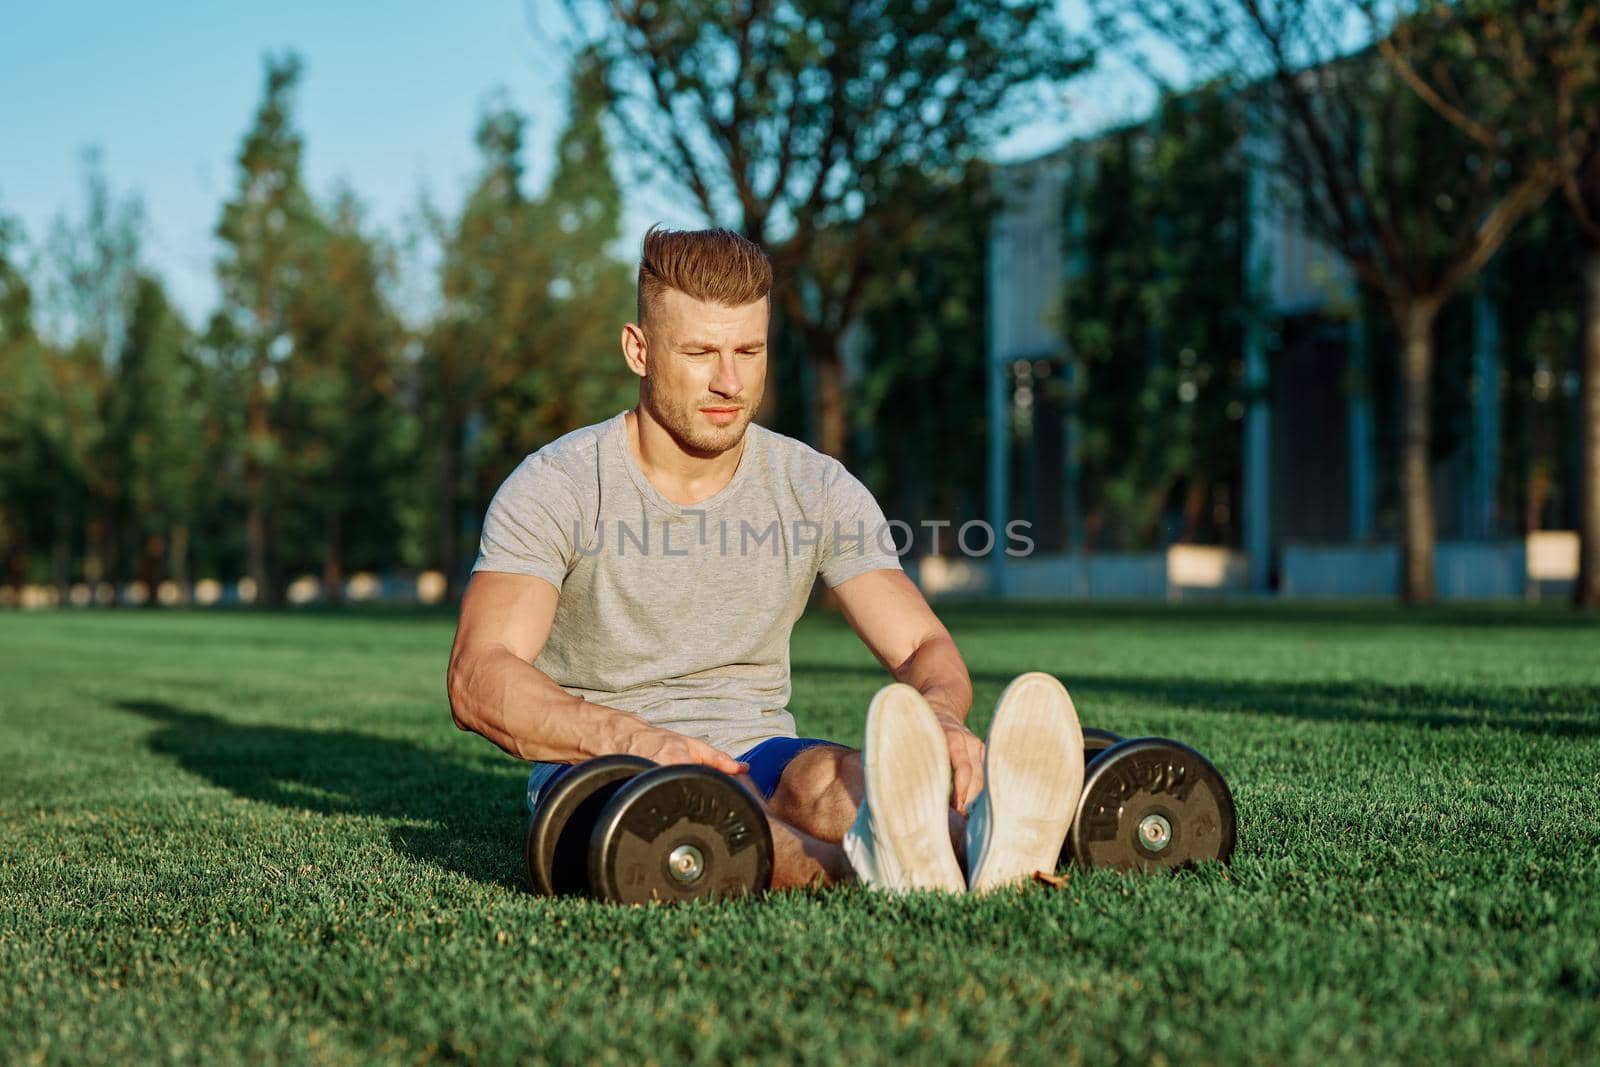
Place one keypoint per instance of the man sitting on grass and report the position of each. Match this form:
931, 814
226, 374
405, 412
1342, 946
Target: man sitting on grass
638, 580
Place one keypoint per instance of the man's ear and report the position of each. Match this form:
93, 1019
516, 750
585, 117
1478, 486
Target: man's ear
634, 348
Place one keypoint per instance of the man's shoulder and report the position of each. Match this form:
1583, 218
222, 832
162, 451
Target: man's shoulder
795, 461
574, 453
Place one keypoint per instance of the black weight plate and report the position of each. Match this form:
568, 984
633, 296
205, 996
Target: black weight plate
684, 832
557, 849
1152, 804
1097, 741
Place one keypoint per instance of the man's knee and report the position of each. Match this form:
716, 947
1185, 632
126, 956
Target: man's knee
826, 775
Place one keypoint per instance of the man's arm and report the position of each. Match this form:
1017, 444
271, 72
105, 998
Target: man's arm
496, 691
888, 612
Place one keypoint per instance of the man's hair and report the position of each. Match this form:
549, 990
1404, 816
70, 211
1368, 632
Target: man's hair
716, 266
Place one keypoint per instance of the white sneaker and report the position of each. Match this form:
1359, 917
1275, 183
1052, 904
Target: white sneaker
1033, 774
901, 837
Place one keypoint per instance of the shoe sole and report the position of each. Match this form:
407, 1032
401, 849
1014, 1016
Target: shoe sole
907, 770
1033, 772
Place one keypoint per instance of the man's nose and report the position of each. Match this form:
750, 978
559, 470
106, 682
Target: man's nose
725, 382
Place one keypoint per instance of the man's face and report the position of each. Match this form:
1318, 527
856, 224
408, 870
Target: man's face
704, 370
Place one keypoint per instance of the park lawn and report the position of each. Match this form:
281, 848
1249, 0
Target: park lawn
232, 836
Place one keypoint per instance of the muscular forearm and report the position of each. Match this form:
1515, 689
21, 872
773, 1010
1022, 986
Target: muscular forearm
518, 707
936, 670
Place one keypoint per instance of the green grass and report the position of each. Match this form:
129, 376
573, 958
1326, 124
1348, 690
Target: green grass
257, 836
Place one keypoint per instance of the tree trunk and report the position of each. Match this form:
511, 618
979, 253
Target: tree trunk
255, 523
255, 533
112, 548
178, 560
831, 427
61, 551
112, 557
1415, 321
152, 564
17, 569
276, 593
333, 559
1586, 593
94, 557
1194, 509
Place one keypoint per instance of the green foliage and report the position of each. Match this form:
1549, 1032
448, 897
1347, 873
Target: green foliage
348, 441
1153, 314
152, 455
91, 267
269, 231
567, 370
16, 295
524, 347
222, 392
29, 457
920, 400
1539, 284
786, 121
1426, 185
803, 113
1415, 200
265, 227
62, 378
307, 427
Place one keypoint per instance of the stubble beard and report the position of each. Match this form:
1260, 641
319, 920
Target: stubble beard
683, 421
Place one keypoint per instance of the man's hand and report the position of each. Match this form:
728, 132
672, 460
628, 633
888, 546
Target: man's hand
966, 759
664, 747
888, 612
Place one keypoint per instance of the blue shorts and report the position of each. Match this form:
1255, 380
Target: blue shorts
766, 761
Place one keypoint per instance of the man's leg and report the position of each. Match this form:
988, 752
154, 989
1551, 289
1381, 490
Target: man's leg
1033, 773
800, 860
820, 792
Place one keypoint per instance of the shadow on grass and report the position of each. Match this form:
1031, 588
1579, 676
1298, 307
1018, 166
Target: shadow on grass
453, 815
1559, 711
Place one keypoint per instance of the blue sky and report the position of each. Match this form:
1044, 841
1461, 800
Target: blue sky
390, 97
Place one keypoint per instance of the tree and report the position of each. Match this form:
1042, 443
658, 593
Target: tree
217, 543
1153, 313
347, 440
91, 268
1581, 186
586, 294
150, 427
265, 230
1544, 57
921, 404
523, 346
484, 297
1415, 207
782, 118
26, 451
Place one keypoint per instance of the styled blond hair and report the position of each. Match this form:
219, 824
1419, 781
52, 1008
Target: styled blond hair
716, 266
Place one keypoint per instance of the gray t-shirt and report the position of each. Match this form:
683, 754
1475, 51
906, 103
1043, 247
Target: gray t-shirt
681, 614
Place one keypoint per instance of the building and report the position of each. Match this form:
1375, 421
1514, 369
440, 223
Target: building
1315, 488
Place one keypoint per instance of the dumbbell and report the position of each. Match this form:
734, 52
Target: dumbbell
1097, 741
622, 829
1148, 804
